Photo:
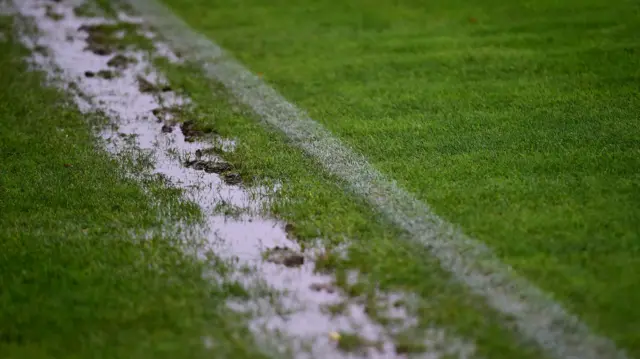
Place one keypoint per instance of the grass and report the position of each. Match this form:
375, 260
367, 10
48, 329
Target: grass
78, 277
360, 83
353, 343
317, 207
515, 119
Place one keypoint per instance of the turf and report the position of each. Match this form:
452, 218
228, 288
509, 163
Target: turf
515, 119
316, 207
84, 271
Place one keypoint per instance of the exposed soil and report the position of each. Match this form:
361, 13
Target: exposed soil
217, 167
106, 74
50, 13
103, 39
165, 113
319, 287
99, 49
121, 61
167, 128
190, 131
285, 256
42, 50
98, 41
146, 86
232, 178
290, 229
73, 86
199, 166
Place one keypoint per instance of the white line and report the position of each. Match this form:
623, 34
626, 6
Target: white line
536, 316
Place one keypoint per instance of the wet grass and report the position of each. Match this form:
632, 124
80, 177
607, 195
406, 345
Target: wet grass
266, 158
316, 206
354, 343
85, 271
517, 120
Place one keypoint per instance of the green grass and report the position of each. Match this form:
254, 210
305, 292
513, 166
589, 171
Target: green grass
77, 279
317, 207
517, 120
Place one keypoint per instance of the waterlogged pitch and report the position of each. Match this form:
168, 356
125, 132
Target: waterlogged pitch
316, 179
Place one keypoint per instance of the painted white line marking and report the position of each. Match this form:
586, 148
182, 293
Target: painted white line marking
536, 316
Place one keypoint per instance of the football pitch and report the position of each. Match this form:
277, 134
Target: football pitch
474, 166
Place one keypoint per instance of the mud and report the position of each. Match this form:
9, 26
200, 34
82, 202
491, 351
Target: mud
88, 45
146, 86
106, 38
167, 129
53, 15
192, 131
120, 61
320, 287
99, 48
216, 166
232, 178
106, 74
285, 256
42, 50
98, 41
168, 113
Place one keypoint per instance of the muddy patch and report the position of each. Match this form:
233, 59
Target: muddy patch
52, 14
191, 131
104, 39
121, 62
104, 74
99, 40
284, 256
146, 86
323, 287
171, 114
216, 167
232, 178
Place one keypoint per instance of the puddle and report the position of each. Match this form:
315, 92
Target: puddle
141, 107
